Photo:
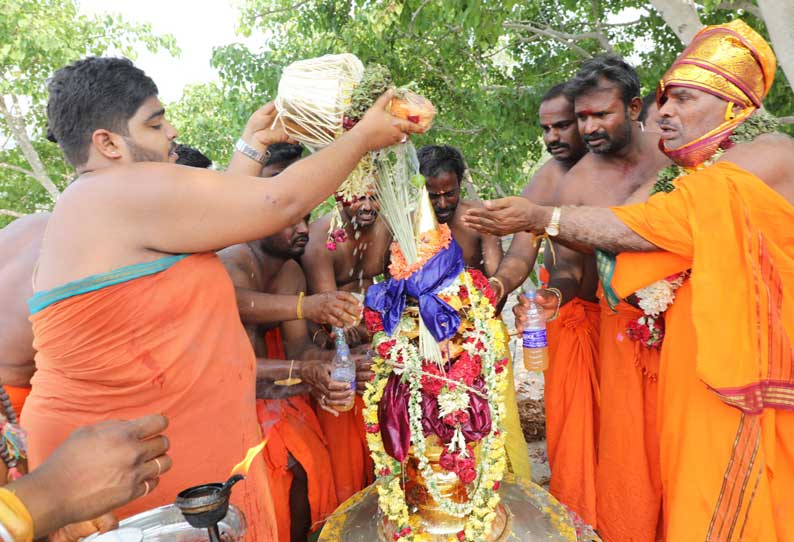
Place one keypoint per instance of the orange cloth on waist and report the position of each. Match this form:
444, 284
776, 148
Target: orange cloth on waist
726, 380
628, 482
347, 444
291, 427
18, 395
571, 397
169, 342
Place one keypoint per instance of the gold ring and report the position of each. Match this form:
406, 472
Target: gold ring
146, 491
159, 467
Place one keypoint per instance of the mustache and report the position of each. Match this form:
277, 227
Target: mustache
596, 135
557, 145
665, 123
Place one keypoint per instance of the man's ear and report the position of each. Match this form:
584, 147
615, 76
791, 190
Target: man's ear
107, 143
635, 106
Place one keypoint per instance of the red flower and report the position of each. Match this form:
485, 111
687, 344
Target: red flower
339, 235
447, 460
348, 123
466, 369
373, 321
467, 476
461, 536
483, 285
496, 485
500, 365
449, 419
384, 348
385, 471
462, 417
464, 463
463, 294
330, 245
373, 428
431, 385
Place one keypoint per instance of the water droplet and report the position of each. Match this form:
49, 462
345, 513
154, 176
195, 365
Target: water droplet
351, 273
357, 234
355, 251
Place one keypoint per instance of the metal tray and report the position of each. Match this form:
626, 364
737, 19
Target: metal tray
166, 524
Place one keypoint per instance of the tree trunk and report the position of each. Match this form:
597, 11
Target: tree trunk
681, 16
20, 135
779, 19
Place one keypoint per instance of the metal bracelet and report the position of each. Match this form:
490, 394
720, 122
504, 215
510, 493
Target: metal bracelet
246, 149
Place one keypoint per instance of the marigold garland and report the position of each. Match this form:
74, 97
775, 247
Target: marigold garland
484, 355
430, 243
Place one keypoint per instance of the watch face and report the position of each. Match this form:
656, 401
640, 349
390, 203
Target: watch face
553, 230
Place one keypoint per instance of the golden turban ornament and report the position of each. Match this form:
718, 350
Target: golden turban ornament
731, 61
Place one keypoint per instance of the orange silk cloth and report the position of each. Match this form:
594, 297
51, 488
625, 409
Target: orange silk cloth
726, 378
172, 343
571, 398
18, 395
731, 61
628, 482
291, 427
347, 444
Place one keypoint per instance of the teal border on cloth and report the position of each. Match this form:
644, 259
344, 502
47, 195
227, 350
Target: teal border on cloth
44, 299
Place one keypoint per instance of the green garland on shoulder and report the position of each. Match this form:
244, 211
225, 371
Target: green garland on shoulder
756, 124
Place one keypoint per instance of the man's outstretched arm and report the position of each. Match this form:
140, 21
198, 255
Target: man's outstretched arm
581, 228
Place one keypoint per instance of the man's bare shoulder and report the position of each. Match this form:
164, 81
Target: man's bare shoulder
542, 187
237, 257
769, 157
25, 229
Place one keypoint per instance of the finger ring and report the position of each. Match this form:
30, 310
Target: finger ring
404, 139
159, 467
146, 491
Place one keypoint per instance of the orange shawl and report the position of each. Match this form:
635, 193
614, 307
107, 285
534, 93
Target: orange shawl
739, 235
127, 343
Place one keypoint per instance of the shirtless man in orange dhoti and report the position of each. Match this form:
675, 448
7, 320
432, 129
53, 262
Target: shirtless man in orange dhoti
602, 453
717, 234
270, 288
132, 312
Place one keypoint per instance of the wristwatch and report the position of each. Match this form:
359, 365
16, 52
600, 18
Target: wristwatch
250, 152
553, 227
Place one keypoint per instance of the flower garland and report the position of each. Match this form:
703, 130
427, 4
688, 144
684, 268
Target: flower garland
483, 357
655, 299
429, 244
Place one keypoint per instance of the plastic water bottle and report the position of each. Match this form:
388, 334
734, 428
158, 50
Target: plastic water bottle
536, 345
343, 368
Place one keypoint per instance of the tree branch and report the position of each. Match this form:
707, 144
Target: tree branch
779, 19
9, 212
785, 120
280, 10
749, 7
410, 30
18, 169
561, 37
19, 132
599, 29
681, 16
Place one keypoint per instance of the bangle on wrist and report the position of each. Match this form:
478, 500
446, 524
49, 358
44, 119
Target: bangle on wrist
558, 293
244, 148
15, 517
299, 308
501, 293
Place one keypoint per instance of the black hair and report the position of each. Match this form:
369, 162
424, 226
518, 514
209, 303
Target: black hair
647, 102
90, 94
435, 159
283, 153
555, 92
610, 67
188, 156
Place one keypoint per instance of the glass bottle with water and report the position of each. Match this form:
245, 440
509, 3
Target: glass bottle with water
343, 367
536, 351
